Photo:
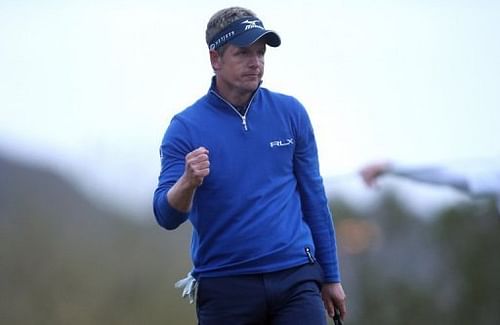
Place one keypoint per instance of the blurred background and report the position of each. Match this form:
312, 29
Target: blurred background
87, 89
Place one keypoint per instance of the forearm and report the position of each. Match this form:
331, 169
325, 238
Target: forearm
181, 194
433, 175
326, 253
182, 171
323, 232
166, 215
172, 206
318, 217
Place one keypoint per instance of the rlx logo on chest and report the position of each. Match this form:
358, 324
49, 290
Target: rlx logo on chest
281, 143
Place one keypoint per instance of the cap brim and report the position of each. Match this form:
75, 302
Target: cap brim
253, 35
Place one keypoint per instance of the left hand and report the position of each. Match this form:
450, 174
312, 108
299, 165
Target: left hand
334, 297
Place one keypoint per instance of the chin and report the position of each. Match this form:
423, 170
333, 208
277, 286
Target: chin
250, 87
254, 81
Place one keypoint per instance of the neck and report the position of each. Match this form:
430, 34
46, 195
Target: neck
237, 97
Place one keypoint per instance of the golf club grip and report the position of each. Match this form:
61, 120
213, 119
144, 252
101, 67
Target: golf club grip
336, 317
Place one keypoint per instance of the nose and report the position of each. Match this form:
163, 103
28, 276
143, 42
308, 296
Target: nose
255, 60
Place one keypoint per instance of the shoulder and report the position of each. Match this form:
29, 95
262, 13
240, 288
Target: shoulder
191, 114
285, 103
193, 109
277, 96
183, 119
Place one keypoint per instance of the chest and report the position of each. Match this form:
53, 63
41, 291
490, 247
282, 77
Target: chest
264, 149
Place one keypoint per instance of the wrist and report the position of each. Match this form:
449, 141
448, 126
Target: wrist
186, 183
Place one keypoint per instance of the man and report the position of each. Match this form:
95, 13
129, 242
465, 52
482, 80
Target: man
241, 164
480, 182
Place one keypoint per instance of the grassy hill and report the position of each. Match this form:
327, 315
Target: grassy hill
66, 261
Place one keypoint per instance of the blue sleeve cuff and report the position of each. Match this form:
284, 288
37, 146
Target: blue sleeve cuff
167, 216
332, 279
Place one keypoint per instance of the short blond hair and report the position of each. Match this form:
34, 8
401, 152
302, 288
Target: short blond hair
222, 18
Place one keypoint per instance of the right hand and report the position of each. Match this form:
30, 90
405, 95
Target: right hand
197, 166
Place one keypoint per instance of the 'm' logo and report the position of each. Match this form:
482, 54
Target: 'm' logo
281, 143
252, 24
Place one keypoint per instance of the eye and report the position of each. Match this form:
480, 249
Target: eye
240, 52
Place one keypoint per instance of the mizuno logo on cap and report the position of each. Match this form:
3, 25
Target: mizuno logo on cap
252, 24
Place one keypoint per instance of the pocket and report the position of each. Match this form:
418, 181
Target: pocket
320, 276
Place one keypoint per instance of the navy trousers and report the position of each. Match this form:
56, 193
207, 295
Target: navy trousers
291, 296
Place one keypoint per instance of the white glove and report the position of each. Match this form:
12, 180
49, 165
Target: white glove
189, 287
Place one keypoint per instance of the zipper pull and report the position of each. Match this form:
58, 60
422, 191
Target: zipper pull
310, 256
244, 122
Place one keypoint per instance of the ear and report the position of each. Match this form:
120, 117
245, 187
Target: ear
215, 59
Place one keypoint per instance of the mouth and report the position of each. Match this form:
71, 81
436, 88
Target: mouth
251, 75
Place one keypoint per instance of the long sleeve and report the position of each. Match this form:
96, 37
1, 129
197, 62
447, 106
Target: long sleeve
314, 201
173, 149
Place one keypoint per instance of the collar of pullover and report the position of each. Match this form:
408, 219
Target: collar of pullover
216, 98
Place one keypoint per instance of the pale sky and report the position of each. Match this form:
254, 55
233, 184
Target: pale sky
90, 86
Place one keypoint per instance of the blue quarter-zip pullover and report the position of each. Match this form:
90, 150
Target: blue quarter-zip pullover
263, 207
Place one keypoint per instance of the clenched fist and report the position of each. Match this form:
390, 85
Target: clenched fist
197, 166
